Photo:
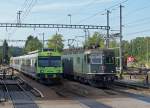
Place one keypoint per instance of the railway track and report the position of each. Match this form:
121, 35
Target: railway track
64, 93
4, 92
132, 86
19, 96
128, 90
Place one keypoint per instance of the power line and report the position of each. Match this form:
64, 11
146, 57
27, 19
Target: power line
89, 17
82, 8
137, 10
143, 31
139, 20
29, 8
24, 4
137, 25
90, 3
21, 9
26, 8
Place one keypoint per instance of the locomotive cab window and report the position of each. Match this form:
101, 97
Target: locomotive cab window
109, 60
96, 59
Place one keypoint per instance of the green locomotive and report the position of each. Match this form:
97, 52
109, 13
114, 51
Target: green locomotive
43, 65
93, 66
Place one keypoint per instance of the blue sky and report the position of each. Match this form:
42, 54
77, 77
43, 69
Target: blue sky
136, 17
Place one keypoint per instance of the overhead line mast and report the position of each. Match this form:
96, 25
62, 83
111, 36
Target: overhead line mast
120, 49
107, 39
19, 17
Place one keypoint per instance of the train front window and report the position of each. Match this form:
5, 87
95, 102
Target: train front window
109, 60
43, 62
96, 59
54, 61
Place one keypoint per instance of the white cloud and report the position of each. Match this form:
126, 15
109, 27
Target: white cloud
64, 5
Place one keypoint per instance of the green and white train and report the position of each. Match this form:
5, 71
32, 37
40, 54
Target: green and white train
93, 66
42, 65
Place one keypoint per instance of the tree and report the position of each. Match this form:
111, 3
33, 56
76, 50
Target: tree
28, 39
126, 48
32, 44
56, 42
15, 51
5, 58
113, 43
96, 40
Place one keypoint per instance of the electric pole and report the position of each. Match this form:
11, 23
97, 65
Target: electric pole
43, 40
85, 35
19, 17
70, 17
147, 50
107, 39
88, 34
120, 49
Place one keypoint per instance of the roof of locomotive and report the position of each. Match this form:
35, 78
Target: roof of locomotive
86, 51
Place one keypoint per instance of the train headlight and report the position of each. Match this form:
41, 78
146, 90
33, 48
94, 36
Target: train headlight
41, 71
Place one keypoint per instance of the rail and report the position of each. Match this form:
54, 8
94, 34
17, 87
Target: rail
8, 93
35, 89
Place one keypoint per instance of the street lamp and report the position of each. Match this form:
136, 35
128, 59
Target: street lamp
70, 17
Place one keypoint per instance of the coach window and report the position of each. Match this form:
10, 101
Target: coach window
28, 62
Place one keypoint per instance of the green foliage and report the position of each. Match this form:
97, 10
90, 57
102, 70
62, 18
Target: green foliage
5, 58
56, 42
113, 44
15, 51
140, 47
32, 44
95, 40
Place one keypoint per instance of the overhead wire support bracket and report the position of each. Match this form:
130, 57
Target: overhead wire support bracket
25, 25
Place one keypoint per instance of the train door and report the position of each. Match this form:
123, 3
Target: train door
109, 62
